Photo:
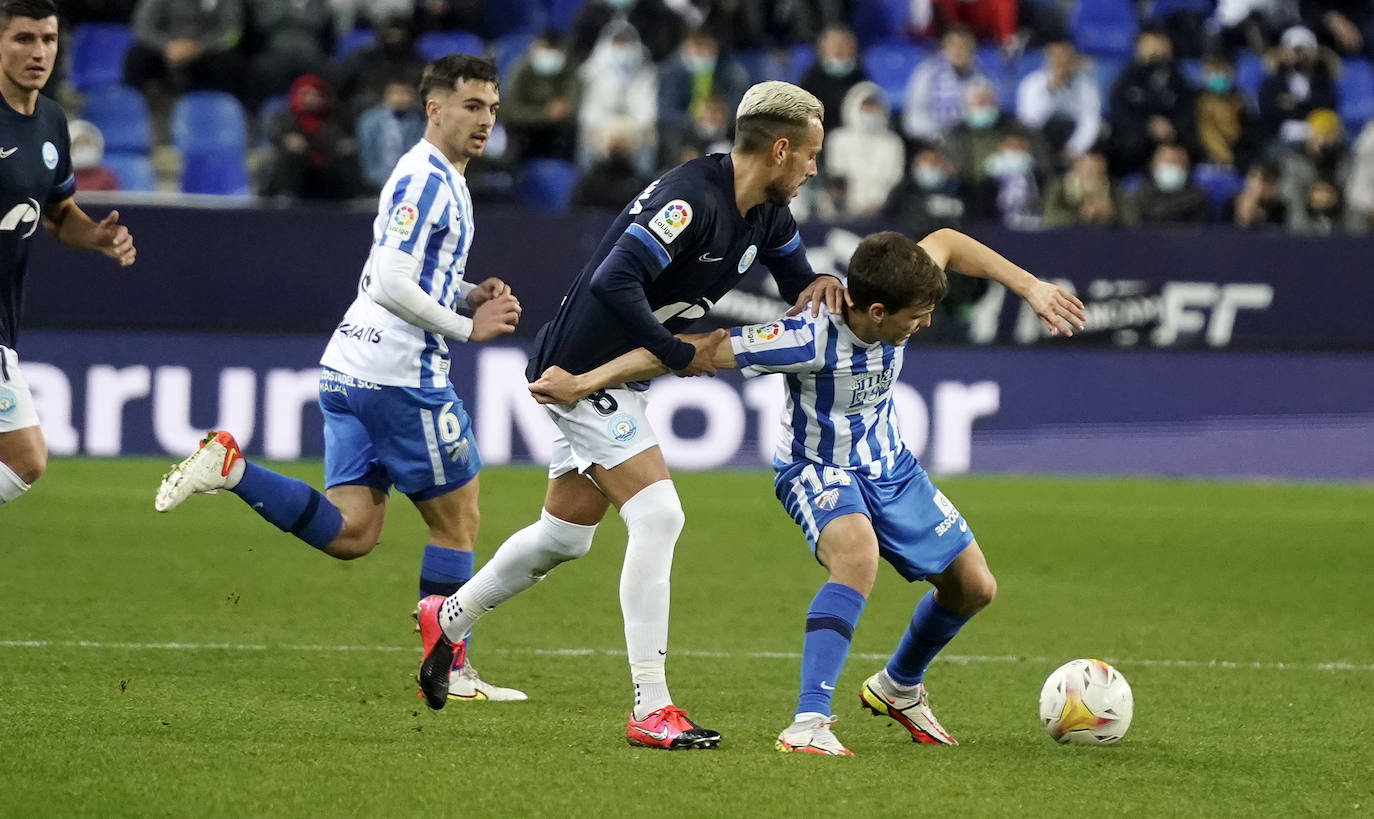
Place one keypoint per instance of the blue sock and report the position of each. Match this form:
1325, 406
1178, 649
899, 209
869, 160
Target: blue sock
443, 571
931, 629
290, 504
830, 625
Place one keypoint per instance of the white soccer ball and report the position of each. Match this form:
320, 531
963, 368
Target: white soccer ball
1086, 702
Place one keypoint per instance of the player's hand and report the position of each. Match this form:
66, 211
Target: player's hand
703, 363
1059, 310
496, 317
488, 290
558, 386
827, 290
114, 240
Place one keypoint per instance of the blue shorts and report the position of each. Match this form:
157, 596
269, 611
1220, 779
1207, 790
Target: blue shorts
417, 438
919, 531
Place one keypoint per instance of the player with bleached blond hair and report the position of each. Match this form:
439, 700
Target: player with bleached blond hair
669, 256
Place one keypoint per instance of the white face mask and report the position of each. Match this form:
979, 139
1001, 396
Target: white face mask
980, 117
1008, 163
1169, 177
930, 177
626, 58
872, 121
85, 156
547, 61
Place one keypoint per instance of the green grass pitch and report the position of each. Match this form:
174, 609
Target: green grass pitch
202, 663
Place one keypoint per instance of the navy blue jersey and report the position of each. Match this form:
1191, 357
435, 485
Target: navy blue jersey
666, 260
35, 171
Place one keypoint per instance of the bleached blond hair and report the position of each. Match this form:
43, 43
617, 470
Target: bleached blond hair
771, 110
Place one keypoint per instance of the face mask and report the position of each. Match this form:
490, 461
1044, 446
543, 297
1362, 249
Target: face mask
980, 117
872, 121
620, 4
930, 177
837, 67
547, 61
1008, 163
1169, 178
626, 58
1216, 82
699, 64
85, 157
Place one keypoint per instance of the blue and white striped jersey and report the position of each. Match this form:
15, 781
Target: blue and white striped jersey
424, 210
839, 390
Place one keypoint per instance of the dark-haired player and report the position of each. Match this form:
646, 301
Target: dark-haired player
844, 475
391, 417
36, 186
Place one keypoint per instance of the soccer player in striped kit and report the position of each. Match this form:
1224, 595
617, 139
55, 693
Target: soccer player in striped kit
391, 417
844, 474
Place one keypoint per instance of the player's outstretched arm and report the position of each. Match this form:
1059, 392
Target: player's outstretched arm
391, 283
558, 386
70, 225
1058, 309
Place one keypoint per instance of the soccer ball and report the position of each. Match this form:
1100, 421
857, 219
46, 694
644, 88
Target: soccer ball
1086, 702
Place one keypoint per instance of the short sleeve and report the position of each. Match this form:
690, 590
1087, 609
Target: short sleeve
784, 346
783, 238
666, 220
419, 208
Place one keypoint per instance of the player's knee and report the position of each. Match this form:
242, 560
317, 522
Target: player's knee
978, 593
29, 466
351, 544
566, 541
655, 510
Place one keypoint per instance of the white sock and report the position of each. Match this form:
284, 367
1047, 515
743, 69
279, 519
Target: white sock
523, 560
654, 519
235, 473
11, 487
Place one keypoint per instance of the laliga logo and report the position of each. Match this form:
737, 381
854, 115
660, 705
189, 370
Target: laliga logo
20, 215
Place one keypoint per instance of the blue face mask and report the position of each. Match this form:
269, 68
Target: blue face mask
1216, 82
980, 117
1169, 177
547, 61
836, 67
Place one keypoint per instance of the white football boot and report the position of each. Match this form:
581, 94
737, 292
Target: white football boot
911, 709
205, 470
811, 735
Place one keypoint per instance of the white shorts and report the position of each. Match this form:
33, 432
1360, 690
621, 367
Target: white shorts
605, 429
16, 402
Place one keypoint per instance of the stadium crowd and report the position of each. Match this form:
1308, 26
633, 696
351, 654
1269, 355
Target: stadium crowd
945, 112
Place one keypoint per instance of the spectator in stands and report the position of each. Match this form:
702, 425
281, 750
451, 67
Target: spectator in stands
313, 156
387, 130
1312, 176
1085, 195
88, 154
993, 20
981, 134
1167, 195
865, 152
1151, 104
1062, 102
933, 102
75, 12
1259, 204
618, 80
930, 197
1359, 184
614, 178
660, 27
710, 130
752, 24
835, 71
1345, 25
1227, 133
183, 45
288, 40
451, 15
1254, 25
355, 14
686, 82
1009, 191
539, 101
1300, 83
364, 74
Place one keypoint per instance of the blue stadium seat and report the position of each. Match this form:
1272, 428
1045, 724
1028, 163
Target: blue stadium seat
879, 21
1105, 70
547, 184
989, 61
890, 66
761, 64
800, 58
122, 117
355, 40
1249, 75
1221, 183
1157, 9
218, 172
515, 17
1355, 95
1103, 27
270, 108
435, 44
510, 49
563, 12
134, 171
97, 54
208, 121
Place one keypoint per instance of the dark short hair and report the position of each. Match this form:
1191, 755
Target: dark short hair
892, 270
33, 9
446, 72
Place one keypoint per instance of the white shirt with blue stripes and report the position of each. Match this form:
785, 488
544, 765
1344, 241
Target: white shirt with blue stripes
424, 211
840, 408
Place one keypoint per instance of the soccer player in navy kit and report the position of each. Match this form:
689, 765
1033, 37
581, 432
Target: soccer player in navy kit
36, 185
845, 476
672, 253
